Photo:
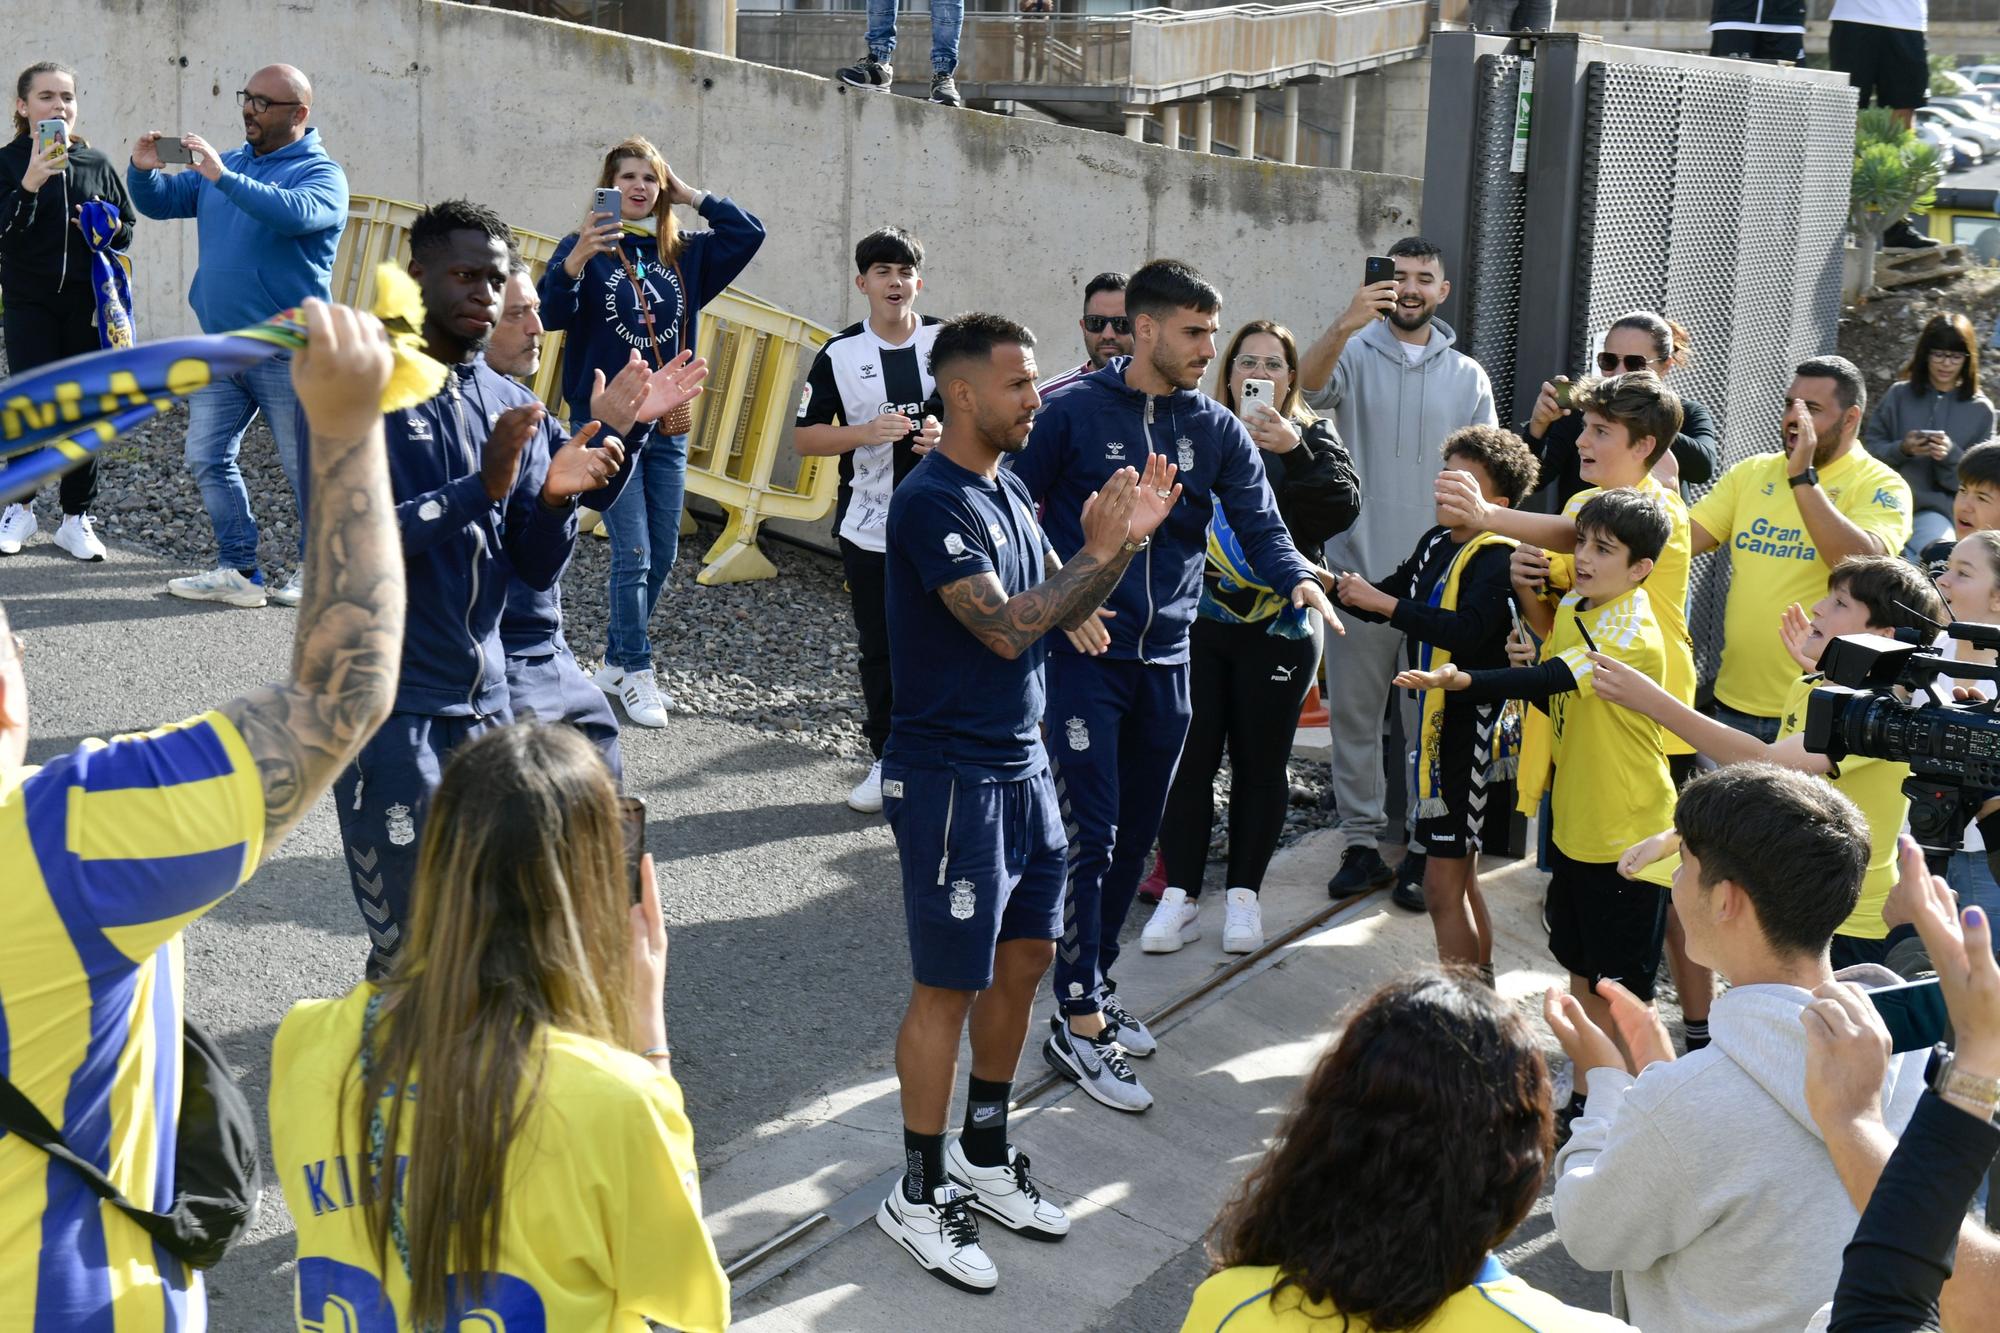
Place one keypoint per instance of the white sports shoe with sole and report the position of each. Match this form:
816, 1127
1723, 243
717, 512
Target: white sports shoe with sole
1097, 1066
942, 1235
1007, 1194
78, 536
219, 585
645, 706
16, 526
1176, 921
867, 794
1242, 923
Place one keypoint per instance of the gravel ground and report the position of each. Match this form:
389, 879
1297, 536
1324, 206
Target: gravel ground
1878, 336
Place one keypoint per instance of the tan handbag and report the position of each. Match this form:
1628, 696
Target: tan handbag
681, 419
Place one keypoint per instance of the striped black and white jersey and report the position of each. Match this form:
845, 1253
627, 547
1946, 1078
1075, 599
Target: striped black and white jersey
855, 378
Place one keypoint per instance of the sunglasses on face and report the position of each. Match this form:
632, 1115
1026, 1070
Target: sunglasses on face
1270, 365
1611, 365
1120, 325
258, 104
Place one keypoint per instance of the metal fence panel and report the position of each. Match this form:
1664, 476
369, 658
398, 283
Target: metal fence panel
1491, 309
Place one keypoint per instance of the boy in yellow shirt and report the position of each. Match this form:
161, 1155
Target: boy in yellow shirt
1865, 595
1611, 775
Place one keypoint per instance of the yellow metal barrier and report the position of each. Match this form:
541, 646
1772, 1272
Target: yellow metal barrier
753, 350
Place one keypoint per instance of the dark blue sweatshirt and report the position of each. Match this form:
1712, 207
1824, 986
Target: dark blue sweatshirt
1101, 424
599, 311
461, 551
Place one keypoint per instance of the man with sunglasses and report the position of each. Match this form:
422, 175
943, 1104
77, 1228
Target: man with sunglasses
269, 216
1106, 330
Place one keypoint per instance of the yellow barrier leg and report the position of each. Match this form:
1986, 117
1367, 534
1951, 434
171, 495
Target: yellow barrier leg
735, 557
687, 523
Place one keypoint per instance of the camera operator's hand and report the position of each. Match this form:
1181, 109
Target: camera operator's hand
1915, 442
1962, 953
206, 160
1801, 438
597, 236
649, 963
1270, 431
1793, 627
1547, 410
1372, 301
1847, 1056
145, 156
1938, 447
45, 162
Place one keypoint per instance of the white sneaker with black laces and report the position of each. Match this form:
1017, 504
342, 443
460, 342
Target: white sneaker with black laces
16, 526
1123, 1026
1007, 1194
1097, 1066
78, 536
1176, 921
942, 1235
866, 797
294, 590
1242, 923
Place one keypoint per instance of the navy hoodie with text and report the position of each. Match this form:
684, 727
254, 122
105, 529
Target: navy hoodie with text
1099, 424
461, 550
598, 311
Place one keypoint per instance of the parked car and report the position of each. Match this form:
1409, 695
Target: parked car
1973, 109
1985, 75
1950, 83
1963, 127
1958, 154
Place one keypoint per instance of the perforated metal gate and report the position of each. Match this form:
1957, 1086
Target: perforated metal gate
1714, 191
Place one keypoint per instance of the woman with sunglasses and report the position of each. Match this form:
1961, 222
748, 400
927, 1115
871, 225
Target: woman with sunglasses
637, 281
1251, 655
1928, 419
1641, 340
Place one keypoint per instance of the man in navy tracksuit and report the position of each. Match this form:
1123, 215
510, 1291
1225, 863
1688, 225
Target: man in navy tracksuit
1118, 712
485, 491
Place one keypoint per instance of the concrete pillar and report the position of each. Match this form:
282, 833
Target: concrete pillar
1204, 126
1170, 124
1246, 125
1291, 149
1347, 91
715, 26
1135, 123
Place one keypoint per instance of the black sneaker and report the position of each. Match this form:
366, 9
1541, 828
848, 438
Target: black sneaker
1361, 869
1409, 891
868, 72
1903, 236
944, 91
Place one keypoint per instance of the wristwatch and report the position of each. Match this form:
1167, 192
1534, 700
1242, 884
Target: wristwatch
1810, 477
1131, 547
1965, 1088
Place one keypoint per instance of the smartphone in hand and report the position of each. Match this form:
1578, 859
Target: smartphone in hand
52, 140
632, 811
1565, 393
608, 201
1254, 391
1379, 268
173, 150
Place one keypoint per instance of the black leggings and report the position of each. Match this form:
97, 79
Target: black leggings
867, 592
1246, 685
47, 326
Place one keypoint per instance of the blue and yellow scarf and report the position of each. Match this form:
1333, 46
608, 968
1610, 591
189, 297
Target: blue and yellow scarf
1227, 559
1505, 758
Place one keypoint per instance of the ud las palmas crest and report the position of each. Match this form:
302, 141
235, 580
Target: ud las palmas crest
402, 829
1184, 449
962, 899
1079, 734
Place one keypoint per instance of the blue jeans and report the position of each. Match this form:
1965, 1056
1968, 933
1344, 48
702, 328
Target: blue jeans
1927, 526
645, 527
947, 16
1764, 729
1971, 878
217, 417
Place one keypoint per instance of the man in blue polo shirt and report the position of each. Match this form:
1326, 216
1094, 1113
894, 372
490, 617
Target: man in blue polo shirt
972, 586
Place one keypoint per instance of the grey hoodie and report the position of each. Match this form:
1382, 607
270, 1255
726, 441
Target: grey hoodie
1703, 1185
1394, 414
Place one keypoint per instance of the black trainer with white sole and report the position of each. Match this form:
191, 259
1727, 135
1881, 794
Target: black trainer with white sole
1097, 1065
1007, 1194
1133, 1037
942, 1236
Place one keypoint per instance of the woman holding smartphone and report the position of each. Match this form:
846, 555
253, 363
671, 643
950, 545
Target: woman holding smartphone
1930, 417
511, 1077
45, 269
1252, 656
637, 281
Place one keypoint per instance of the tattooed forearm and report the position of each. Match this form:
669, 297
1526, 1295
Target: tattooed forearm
1009, 625
345, 657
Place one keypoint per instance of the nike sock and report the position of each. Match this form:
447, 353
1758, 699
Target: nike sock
923, 1164
1697, 1033
984, 1141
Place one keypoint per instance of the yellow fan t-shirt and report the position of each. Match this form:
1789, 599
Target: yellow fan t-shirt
601, 1216
1667, 585
1753, 513
1248, 1300
1876, 785
1612, 787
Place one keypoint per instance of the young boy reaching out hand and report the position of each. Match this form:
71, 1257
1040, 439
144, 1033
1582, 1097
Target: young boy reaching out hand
1611, 780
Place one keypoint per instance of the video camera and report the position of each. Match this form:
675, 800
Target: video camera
1953, 749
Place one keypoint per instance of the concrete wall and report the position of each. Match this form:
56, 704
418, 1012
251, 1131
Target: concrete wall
423, 100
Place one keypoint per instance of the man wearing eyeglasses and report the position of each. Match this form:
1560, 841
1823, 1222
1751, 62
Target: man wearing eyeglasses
1106, 330
269, 216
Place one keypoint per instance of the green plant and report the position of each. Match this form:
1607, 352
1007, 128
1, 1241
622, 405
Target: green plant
1942, 64
1894, 172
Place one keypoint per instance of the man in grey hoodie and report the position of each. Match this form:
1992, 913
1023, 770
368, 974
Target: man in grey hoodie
1395, 385
1703, 1184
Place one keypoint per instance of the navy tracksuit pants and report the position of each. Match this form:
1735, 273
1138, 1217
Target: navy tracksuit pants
551, 687
381, 801
1114, 733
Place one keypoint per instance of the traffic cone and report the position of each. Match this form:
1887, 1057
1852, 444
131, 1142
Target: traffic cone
1314, 713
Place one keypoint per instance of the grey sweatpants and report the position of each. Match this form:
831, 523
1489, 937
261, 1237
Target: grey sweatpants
1359, 666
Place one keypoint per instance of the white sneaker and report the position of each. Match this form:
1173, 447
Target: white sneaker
1133, 1036
645, 706
1097, 1065
78, 535
218, 585
1007, 1195
941, 1235
1242, 923
16, 526
294, 590
1176, 921
867, 794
